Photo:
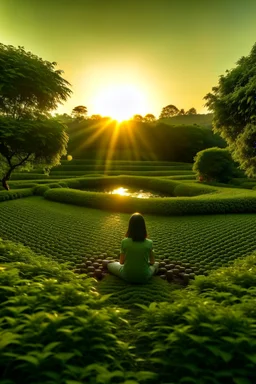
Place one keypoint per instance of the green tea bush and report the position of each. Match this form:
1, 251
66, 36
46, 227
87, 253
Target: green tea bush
30, 265
40, 189
190, 189
120, 167
121, 172
28, 176
56, 328
214, 164
198, 205
19, 184
15, 194
69, 233
207, 334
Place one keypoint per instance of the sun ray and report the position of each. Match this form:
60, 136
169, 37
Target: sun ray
111, 148
99, 129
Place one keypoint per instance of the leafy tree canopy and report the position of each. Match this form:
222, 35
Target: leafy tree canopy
191, 111
29, 85
149, 117
30, 88
96, 117
79, 112
30, 142
137, 118
233, 103
169, 111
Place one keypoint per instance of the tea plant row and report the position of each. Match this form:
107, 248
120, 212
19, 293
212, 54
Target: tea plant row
68, 233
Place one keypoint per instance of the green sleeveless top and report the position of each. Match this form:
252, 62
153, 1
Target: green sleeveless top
136, 263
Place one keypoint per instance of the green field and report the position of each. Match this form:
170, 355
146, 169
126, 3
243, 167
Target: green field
57, 325
69, 233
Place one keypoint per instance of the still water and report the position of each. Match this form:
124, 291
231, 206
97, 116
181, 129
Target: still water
132, 192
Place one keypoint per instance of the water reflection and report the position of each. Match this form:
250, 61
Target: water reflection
141, 194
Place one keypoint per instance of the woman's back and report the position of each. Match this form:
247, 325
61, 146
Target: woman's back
137, 254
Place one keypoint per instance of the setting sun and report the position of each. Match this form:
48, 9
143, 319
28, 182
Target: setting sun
120, 102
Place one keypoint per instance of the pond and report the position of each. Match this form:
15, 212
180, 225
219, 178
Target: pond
128, 191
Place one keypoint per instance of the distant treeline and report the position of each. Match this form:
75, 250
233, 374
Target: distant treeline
203, 119
139, 141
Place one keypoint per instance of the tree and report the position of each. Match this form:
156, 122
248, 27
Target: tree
233, 103
28, 143
191, 111
168, 111
30, 88
63, 118
96, 117
181, 112
137, 118
149, 118
79, 112
214, 164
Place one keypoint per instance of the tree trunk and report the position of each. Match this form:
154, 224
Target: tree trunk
5, 179
5, 184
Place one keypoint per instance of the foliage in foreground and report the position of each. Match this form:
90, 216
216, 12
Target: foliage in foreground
208, 333
58, 329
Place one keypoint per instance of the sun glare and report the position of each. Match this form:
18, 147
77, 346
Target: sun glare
120, 191
120, 102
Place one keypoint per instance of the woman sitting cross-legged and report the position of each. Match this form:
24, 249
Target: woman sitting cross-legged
137, 261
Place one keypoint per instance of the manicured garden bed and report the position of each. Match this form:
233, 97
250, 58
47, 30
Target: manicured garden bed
71, 233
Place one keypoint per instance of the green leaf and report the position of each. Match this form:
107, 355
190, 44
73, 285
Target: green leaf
30, 359
241, 380
51, 346
7, 338
64, 356
73, 382
252, 358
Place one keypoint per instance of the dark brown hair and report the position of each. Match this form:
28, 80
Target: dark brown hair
137, 227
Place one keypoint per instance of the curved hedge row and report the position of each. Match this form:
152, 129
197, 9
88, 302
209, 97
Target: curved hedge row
167, 186
161, 206
120, 172
15, 194
214, 201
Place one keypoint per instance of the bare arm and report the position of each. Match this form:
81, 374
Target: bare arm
122, 257
152, 257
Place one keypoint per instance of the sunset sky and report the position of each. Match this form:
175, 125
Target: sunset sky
136, 55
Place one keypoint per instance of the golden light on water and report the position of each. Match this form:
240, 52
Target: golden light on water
121, 191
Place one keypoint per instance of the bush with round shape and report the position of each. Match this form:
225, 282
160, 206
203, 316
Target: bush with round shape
214, 164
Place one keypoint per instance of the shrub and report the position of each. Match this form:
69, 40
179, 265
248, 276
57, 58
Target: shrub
210, 324
197, 205
15, 194
40, 189
214, 164
56, 328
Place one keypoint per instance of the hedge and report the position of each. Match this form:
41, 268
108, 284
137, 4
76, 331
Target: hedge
15, 194
156, 184
28, 176
128, 167
198, 205
120, 172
